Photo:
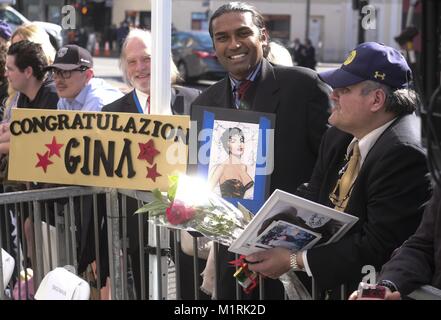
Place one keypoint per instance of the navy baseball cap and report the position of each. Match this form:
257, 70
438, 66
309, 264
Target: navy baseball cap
370, 61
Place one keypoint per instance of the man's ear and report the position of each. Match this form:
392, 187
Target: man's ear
28, 71
263, 36
89, 74
379, 99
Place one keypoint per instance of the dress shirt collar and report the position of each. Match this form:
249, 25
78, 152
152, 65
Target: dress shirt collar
78, 102
367, 142
142, 98
251, 76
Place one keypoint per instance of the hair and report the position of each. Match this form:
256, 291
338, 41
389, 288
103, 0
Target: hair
146, 37
398, 101
278, 54
258, 19
3, 54
29, 54
36, 34
230, 132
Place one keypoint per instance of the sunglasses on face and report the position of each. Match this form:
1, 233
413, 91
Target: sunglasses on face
66, 74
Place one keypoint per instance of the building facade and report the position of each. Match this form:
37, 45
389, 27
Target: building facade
333, 24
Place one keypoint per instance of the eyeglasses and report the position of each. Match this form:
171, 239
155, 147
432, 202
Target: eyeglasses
66, 74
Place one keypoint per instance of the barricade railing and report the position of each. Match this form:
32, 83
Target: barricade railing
53, 215
138, 266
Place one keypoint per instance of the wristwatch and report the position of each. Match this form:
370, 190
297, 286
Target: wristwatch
293, 261
388, 284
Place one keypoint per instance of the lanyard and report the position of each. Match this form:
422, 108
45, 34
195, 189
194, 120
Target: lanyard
138, 104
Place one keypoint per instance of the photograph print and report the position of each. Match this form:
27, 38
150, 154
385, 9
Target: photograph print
327, 223
232, 166
286, 235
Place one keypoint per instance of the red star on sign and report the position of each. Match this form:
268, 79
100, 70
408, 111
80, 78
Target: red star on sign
43, 161
147, 151
54, 148
152, 173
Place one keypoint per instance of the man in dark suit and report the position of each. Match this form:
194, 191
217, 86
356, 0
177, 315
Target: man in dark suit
296, 95
384, 183
135, 65
418, 261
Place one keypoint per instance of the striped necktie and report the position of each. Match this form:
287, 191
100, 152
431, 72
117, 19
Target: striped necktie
342, 191
241, 93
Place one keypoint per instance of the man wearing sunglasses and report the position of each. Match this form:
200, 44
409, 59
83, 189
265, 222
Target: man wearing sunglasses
78, 90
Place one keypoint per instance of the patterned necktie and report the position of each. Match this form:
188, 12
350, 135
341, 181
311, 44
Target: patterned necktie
147, 107
241, 92
342, 191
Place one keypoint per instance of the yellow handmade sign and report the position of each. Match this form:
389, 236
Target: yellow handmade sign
118, 150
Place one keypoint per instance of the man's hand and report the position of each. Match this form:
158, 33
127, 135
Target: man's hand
389, 295
271, 263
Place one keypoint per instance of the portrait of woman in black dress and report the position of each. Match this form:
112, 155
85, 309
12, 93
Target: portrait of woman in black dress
232, 175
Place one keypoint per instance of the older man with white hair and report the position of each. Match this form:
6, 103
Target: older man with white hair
135, 63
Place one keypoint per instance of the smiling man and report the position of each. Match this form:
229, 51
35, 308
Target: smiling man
296, 95
371, 165
135, 63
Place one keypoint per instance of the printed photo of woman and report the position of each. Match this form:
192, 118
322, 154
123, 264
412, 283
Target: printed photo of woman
232, 177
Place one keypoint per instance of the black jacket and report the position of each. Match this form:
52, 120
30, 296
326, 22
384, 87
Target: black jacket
418, 261
388, 197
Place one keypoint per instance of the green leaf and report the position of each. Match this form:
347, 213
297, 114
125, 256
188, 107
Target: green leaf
173, 186
157, 194
155, 205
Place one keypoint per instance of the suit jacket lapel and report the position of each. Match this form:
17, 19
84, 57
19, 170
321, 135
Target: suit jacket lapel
378, 146
223, 97
132, 104
267, 96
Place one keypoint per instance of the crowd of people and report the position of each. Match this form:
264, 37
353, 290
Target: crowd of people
354, 148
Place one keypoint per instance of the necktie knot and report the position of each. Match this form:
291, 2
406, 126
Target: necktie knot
243, 88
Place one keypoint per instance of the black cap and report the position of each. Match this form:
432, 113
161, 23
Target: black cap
72, 57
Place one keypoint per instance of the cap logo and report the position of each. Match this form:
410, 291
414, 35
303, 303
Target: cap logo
379, 75
61, 52
350, 58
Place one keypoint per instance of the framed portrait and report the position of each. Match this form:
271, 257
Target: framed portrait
235, 153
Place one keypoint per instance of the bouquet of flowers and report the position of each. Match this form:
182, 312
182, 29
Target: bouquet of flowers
188, 205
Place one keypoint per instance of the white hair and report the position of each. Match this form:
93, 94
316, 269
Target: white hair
146, 37
278, 54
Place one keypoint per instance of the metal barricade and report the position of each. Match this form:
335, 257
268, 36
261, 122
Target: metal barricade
139, 267
45, 230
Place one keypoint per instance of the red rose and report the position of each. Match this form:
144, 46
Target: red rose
178, 213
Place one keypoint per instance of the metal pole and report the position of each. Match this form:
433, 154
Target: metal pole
308, 12
160, 90
39, 273
114, 245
